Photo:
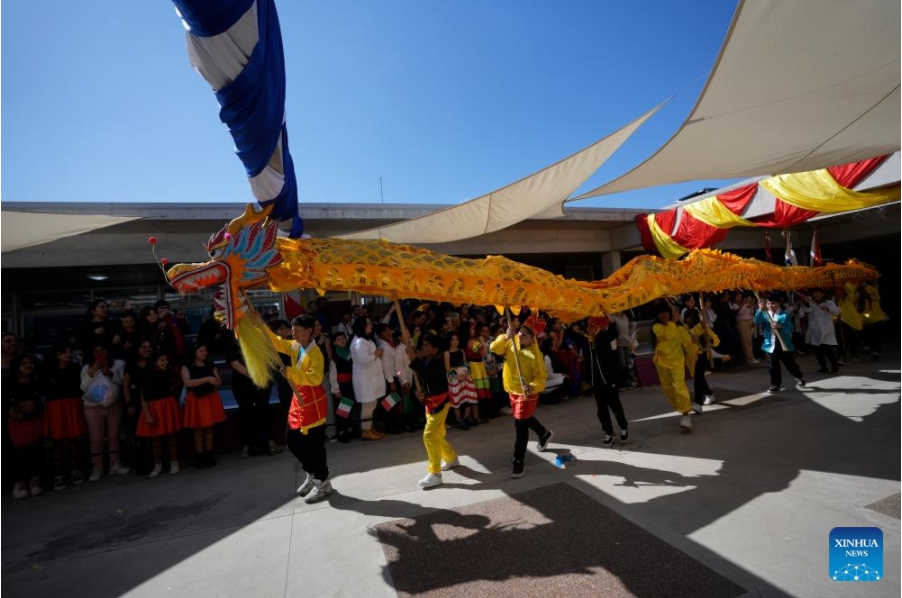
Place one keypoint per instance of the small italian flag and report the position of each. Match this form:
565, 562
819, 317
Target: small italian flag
344, 407
390, 401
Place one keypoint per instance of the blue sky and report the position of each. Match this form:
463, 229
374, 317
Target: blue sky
443, 100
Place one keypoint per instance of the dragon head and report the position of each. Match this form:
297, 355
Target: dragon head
240, 253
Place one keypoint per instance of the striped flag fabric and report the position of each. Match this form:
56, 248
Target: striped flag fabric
344, 407
789, 254
816, 258
236, 46
390, 401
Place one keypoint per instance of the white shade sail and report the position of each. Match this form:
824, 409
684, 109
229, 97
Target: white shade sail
542, 193
798, 86
26, 229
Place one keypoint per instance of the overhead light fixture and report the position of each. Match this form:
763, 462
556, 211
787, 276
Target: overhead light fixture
98, 277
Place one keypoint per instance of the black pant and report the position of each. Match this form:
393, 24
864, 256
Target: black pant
698, 379
253, 415
310, 450
523, 426
27, 462
608, 397
773, 365
824, 353
285, 394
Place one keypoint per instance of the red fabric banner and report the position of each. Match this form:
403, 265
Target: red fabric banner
737, 199
692, 233
647, 241
849, 175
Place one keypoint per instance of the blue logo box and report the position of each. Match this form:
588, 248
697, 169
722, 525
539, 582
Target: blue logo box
856, 554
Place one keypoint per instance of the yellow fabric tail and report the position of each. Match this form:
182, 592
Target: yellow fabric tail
259, 354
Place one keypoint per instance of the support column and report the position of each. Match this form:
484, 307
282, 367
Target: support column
610, 263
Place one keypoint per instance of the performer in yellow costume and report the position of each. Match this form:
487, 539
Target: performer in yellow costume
672, 342
524, 378
874, 317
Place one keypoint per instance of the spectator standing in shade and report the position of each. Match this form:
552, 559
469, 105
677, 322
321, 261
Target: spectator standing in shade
745, 324
166, 317
369, 380
160, 417
253, 408
98, 328
128, 336
625, 332
203, 405
23, 396
342, 386
64, 417
136, 370
103, 414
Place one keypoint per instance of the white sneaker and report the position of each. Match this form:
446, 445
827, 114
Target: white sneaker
800, 383
305, 488
709, 399
430, 481
754, 361
698, 408
686, 422
320, 491
174, 468
446, 465
96, 474
20, 491
506, 411
544, 440
34, 487
119, 469
156, 471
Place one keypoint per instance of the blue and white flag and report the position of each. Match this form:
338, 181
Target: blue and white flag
236, 46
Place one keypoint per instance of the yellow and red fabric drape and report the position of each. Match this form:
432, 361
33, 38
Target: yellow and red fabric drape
798, 196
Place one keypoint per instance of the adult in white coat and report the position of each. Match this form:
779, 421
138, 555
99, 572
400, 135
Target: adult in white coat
368, 377
821, 333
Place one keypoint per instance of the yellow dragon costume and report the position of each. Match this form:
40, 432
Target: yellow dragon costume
248, 254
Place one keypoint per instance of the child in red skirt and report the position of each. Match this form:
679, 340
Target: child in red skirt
203, 405
64, 416
160, 415
22, 392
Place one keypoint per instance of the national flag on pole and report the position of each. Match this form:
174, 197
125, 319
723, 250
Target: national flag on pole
789, 254
816, 259
390, 401
293, 304
344, 407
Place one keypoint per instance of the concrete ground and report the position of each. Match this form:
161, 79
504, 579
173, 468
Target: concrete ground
751, 493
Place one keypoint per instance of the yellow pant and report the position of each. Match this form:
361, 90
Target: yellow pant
673, 381
437, 448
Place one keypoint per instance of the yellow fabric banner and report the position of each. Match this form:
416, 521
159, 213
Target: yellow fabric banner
713, 213
817, 190
665, 244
